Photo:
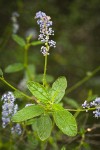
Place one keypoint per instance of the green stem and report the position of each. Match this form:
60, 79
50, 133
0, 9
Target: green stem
81, 142
26, 59
12, 87
45, 69
83, 80
26, 56
78, 110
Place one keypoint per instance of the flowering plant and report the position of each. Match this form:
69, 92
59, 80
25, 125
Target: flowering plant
45, 108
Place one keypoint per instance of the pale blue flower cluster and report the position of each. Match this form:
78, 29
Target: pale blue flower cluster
96, 104
8, 110
16, 129
45, 32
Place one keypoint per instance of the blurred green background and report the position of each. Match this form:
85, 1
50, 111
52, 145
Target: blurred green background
77, 32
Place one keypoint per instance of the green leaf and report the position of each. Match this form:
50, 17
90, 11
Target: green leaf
19, 40
63, 148
65, 122
29, 122
32, 122
36, 43
1, 72
56, 107
27, 113
38, 91
14, 68
44, 127
58, 89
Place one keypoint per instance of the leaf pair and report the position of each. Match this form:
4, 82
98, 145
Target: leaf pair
20, 41
63, 119
54, 95
43, 124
